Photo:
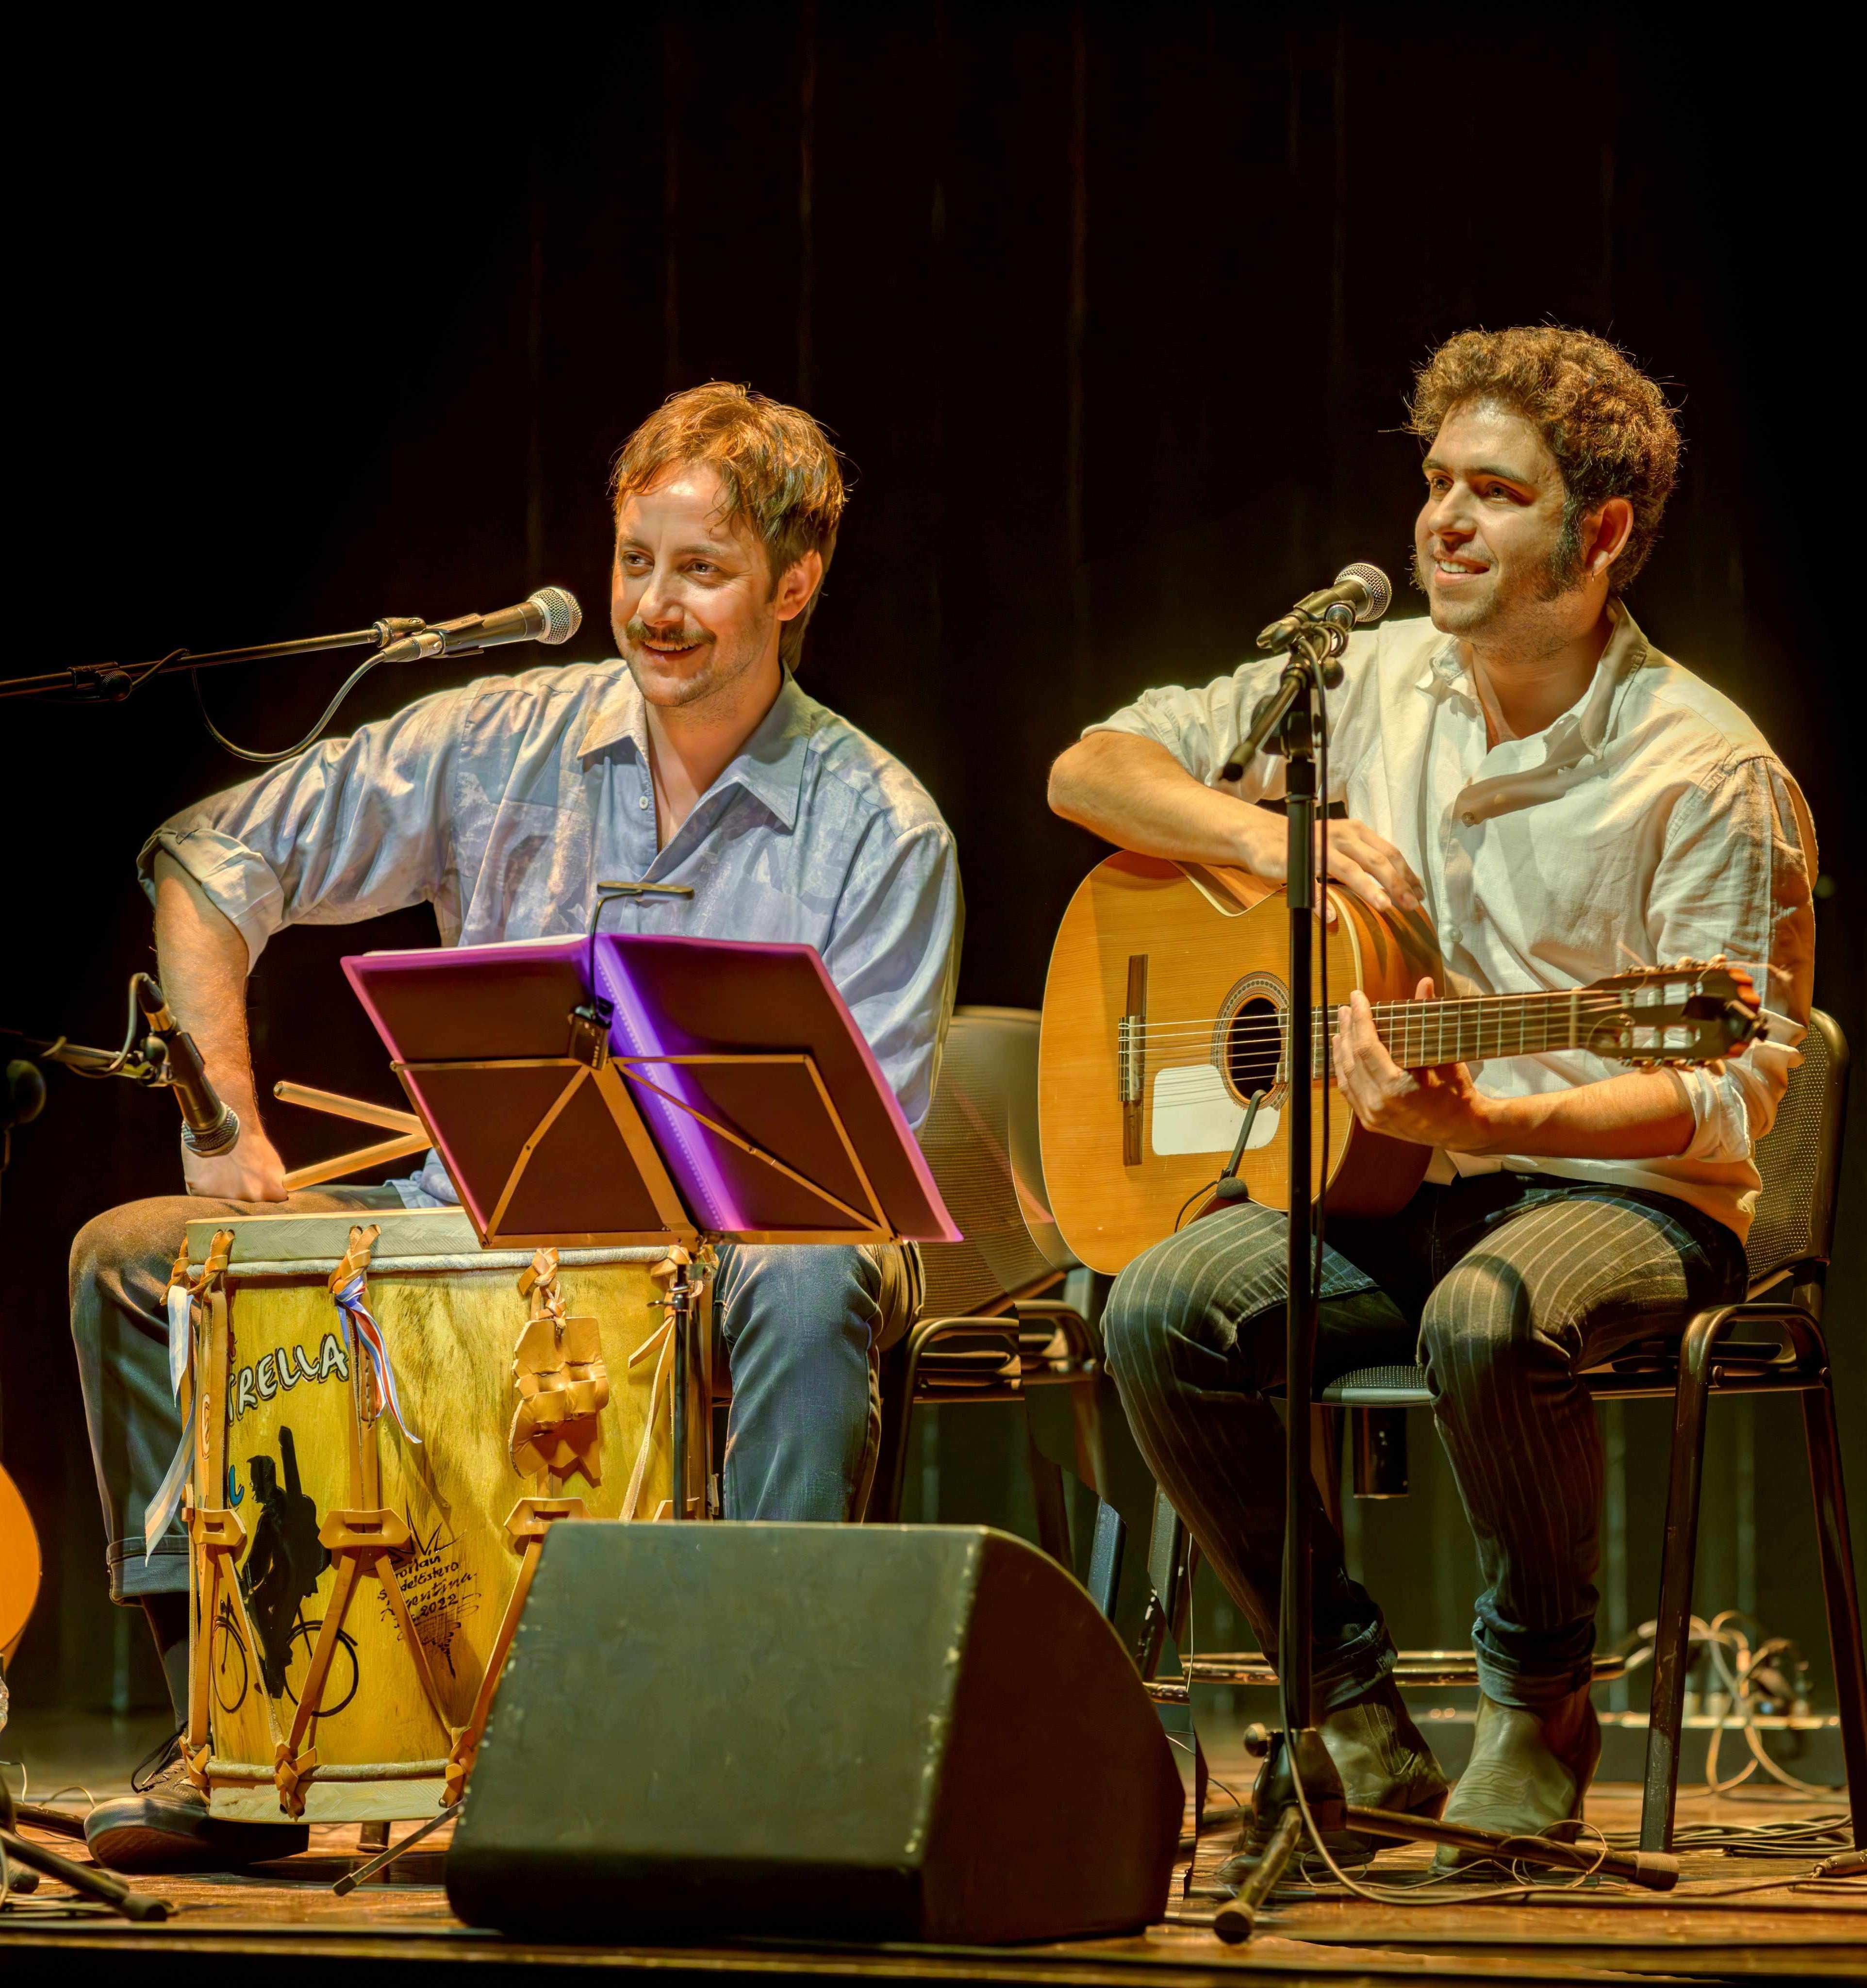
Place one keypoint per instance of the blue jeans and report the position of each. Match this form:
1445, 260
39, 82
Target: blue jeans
802, 1327
1503, 1287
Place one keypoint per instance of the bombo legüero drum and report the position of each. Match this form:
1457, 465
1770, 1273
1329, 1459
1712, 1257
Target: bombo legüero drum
384, 1419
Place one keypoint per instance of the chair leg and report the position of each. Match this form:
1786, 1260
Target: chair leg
1840, 1596
1170, 1551
1086, 1414
1672, 1630
1047, 1489
1106, 1553
899, 1366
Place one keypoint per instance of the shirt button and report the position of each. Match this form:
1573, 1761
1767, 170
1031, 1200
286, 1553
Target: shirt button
643, 802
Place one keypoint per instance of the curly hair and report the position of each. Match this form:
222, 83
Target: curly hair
1606, 423
776, 466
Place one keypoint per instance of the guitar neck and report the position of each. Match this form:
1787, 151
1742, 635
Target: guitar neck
1418, 1033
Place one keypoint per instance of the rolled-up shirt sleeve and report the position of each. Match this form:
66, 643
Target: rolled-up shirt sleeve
1203, 729
350, 829
1736, 878
895, 953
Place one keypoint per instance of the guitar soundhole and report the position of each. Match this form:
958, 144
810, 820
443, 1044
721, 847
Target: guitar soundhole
1253, 1047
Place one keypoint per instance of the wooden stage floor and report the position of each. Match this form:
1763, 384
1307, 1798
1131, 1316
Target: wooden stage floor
1733, 1917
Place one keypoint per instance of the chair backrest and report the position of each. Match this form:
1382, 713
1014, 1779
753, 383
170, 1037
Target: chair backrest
981, 1141
1799, 1158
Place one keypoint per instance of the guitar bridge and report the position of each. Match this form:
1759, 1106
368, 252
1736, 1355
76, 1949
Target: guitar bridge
1129, 1034
1131, 1058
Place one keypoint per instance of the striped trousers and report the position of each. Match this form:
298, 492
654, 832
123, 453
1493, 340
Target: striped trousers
1504, 1287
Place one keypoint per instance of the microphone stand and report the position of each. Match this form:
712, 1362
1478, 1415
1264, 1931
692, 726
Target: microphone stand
109, 683
1289, 722
1298, 1790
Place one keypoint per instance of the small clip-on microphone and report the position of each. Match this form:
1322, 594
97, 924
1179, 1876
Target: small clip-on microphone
1229, 1186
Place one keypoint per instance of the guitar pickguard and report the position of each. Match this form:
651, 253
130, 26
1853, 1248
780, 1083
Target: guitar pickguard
1193, 1112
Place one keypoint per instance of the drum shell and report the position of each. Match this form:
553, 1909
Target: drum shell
450, 1313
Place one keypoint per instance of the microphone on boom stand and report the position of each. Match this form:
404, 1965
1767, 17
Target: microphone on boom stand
1317, 628
551, 616
1359, 592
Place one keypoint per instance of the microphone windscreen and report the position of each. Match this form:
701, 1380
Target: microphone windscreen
562, 616
1380, 592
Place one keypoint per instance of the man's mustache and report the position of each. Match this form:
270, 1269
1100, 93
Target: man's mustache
638, 630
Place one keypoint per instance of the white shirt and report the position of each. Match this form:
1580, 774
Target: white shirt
1650, 823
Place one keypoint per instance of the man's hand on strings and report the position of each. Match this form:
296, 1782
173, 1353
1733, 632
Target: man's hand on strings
1435, 1107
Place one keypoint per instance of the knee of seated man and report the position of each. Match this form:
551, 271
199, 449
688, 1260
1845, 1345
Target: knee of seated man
109, 1243
1137, 1320
1482, 1320
817, 1294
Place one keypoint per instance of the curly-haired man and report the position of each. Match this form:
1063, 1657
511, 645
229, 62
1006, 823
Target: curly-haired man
696, 759
1559, 798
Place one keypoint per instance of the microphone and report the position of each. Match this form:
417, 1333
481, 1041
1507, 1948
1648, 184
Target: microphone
208, 1126
551, 615
1361, 592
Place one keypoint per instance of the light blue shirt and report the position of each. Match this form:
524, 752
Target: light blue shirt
502, 805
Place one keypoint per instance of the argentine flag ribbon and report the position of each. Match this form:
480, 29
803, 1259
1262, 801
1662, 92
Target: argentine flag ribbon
356, 1312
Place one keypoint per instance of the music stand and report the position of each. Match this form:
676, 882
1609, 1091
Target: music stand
637, 1090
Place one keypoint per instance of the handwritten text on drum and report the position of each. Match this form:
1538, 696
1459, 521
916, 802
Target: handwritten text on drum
285, 1368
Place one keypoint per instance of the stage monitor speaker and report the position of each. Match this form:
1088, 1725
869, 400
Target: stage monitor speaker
849, 1732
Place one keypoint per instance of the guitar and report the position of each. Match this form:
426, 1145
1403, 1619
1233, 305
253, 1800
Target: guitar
1164, 1011
19, 1570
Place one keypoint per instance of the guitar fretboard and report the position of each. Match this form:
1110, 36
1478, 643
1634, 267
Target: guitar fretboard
1420, 1032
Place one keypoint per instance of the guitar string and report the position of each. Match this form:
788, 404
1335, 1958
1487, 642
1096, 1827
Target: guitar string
1478, 1025
1504, 1004
1397, 1023
1397, 1017
1541, 998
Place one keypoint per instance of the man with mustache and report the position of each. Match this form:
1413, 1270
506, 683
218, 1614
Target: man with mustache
696, 759
1562, 799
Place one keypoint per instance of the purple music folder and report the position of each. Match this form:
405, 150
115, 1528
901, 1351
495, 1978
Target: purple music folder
498, 1016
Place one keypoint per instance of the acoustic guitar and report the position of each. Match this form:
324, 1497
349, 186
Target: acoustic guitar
1166, 1012
20, 1568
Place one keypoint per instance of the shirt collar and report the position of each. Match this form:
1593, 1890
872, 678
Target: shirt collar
1582, 729
770, 766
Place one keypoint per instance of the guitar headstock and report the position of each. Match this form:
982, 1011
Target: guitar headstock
1695, 1011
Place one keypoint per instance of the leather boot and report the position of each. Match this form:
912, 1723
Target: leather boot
1528, 1771
1384, 1760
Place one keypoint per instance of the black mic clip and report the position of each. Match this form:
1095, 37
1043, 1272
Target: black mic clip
1318, 640
1228, 1187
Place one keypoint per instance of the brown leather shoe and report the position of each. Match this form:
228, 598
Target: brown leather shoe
1384, 1760
1528, 1771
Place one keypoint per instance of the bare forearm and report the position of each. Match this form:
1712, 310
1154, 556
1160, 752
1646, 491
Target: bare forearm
201, 963
1641, 1114
1132, 792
